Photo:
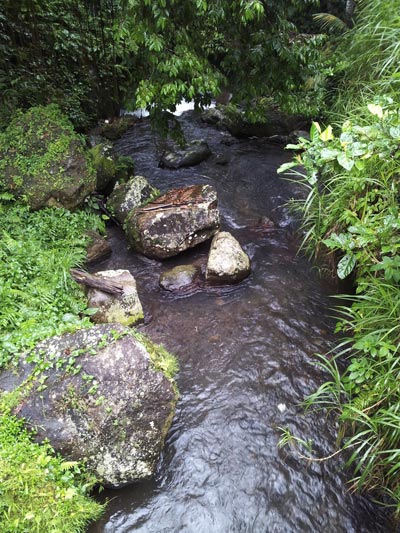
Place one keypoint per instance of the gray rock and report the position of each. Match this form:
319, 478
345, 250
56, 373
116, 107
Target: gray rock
227, 261
50, 167
127, 196
178, 277
100, 400
196, 152
123, 308
174, 222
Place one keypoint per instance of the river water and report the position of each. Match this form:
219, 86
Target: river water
246, 363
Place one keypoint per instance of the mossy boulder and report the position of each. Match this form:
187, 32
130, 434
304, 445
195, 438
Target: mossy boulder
43, 161
127, 196
110, 167
102, 396
124, 308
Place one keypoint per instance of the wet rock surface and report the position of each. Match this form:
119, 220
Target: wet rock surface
179, 277
196, 152
124, 308
176, 221
102, 403
227, 261
127, 196
275, 124
98, 247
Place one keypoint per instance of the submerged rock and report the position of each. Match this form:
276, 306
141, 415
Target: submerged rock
100, 401
98, 247
196, 152
174, 222
227, 261
124, 308
127, 196
178, 277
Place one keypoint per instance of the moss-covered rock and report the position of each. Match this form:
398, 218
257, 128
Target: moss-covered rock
124, 308
127, 196
43, 160
110, 167
104, 396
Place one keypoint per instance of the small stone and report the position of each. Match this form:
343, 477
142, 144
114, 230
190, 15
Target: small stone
178, 277
125, 308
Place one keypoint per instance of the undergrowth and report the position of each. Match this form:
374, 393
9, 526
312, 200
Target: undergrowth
38, 296
352, 213
39, 491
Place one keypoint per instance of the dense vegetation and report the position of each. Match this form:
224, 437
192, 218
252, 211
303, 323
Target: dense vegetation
93, 56
352, 221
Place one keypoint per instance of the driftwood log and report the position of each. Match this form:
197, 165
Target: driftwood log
102, 284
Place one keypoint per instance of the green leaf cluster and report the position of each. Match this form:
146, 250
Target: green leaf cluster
38, 296
351, 215
39, 491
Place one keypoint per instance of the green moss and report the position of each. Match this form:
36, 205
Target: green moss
35, 153
162, 360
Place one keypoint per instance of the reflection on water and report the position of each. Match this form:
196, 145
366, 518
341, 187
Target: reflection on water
246, 360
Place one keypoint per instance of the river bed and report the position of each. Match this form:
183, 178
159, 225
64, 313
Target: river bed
246, 363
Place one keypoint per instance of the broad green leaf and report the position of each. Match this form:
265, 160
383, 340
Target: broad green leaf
344, 161
328, 154
327, 135
287, 166
376, 110
346, 265
315, 131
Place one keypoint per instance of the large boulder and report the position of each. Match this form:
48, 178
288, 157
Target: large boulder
196, 152
124, 308
227, 261
43, 160
174, 222
99, 398
127, 196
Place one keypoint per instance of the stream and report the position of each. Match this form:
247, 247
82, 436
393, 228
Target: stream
246, 363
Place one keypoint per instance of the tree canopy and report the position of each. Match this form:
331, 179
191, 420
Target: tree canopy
90, 56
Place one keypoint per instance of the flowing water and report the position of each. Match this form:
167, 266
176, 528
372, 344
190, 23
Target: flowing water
246, 361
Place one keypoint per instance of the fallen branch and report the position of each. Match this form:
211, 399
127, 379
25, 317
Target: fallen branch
102, 284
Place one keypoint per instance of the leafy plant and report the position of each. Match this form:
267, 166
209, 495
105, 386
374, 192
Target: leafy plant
352, 213
39, 491
39, 298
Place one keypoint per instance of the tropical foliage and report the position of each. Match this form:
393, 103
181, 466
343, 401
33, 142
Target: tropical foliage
91, 57
351, 217
39, 491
